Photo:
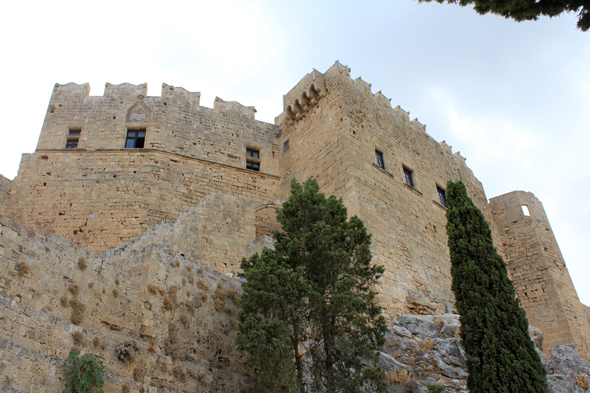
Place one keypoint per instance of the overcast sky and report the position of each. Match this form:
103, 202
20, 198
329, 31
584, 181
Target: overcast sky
514, 98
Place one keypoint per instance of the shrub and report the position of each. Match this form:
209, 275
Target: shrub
85, 374
433, 388
152, 289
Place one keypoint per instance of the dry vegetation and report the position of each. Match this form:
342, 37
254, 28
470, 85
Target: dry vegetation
398, 376
78, 310
22, 268
582, 380
74, 289
152, 289
233, 295
201, 284
82, 264
139, 374
78, 338
168, 303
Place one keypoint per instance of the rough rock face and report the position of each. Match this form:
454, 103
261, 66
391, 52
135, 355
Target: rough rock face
423, 350
566, 371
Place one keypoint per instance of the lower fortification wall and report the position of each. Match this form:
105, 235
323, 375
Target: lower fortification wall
179, 314
104, 198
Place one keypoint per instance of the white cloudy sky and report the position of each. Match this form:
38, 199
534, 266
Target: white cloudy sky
513, 98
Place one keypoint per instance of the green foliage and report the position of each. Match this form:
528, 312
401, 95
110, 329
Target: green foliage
308, 307
433, 388
500, 354
85, 374
520, 10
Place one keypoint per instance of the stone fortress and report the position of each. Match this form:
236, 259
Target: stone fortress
122, 233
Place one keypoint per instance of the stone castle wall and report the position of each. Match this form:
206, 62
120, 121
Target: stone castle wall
158, 292
538, 270
187, 199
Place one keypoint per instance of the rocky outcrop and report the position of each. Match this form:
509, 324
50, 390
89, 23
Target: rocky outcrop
425, 351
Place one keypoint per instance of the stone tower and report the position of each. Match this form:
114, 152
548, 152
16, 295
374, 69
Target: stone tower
538, 270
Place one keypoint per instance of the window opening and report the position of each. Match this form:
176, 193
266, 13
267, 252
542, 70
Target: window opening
409, 177
380, 161
73, 137
135, 139
286, 146
442, 196
252, 153
255, 166
72, 144
525, 210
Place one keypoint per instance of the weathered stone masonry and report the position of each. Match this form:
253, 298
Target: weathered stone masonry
161, 225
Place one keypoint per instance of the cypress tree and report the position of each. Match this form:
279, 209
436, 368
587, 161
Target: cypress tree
500, 354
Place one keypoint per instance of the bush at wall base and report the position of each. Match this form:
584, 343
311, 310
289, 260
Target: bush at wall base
84, 374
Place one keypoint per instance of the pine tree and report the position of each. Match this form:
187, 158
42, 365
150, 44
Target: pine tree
316, 285
500, 354
521, 10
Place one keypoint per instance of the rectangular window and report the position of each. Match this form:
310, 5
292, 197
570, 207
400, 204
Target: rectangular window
252, 153
72, 144
409, 177
442, 196
255, 166
525, 210
380, 161
73, 137
286, 146
135, 139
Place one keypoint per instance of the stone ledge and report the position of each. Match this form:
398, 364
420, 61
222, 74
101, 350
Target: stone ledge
383, 170
151, 149
414, 189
